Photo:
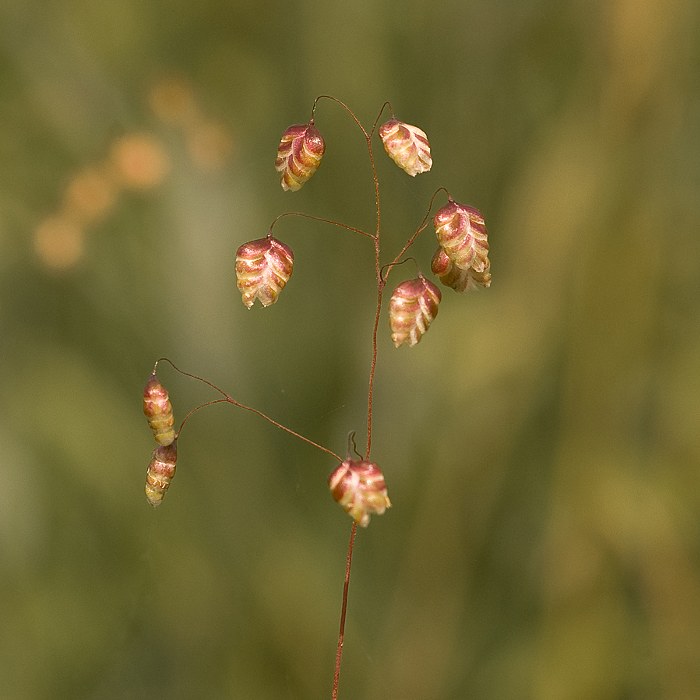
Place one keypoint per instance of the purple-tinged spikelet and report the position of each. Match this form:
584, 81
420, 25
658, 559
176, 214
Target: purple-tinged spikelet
461, 233
263, 268
299, 155
161, 471
456, 278
412, 308
407, 146
360, 489
158, 410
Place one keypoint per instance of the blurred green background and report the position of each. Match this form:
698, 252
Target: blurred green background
541, 444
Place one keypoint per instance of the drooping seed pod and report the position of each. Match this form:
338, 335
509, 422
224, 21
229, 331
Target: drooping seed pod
407, 146
461, 232
299, 155
412, 308
456, 278
158, 410
160, 473
360, 489
263, 268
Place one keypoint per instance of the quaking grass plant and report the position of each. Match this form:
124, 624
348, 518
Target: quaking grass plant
264, 267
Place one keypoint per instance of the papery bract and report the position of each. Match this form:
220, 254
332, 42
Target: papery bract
360, 489
160, 473
263, 268
412, 308
158, 410
407, 146
299, 155
455, 277
461, 232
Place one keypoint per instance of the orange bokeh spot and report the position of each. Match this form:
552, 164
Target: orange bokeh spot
139, 161
173, 101
59, 243
90, 194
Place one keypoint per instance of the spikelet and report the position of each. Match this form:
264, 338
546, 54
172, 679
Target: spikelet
263, 268
299, 155
412, 308
161, 471
460, 280
360, 489
407, 146
158, 410
461, 232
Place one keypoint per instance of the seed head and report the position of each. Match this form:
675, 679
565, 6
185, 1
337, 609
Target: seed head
158, 410
412, 308
461, 232
299, 155
160, 473
360, 489
263, 268
407, 146
460, 280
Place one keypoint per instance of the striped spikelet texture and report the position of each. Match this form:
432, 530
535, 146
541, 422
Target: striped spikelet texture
456, 278
412, 308
263, 268
158, 410
360, 489
461, 233
161, 471
299, 155
407, 146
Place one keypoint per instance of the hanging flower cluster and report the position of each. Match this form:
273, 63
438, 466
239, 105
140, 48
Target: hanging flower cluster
412, 308
462, 260
159, 414
407, 146
360, 489
299, 155
263, 268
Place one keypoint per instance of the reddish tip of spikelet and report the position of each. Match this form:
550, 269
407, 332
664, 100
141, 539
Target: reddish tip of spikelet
263, 268
360, 489
160, 473
412, 308
299, 155
407, 146
158, 410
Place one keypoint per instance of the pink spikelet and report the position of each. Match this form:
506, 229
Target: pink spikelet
158, 410
407, 146
360, 490
263, 268
412, 308
461, 233
456, 278
161, 471
299, 155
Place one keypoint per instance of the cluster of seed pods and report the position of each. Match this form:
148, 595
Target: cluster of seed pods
265, 265
159, 413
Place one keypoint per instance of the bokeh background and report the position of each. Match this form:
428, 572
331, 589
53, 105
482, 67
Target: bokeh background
541, 444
